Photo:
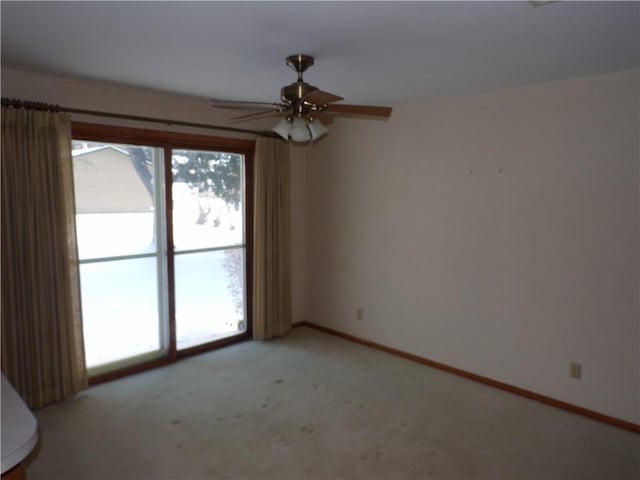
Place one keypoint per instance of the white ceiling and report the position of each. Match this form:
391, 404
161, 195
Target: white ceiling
381, 53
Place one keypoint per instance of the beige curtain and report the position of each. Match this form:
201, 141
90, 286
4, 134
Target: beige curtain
272, 240
42, 345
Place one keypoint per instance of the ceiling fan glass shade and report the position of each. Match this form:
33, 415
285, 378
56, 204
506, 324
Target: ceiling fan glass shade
299, 131
317, 129
282, 128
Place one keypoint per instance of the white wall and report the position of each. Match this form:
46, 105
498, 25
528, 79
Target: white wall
497, 233
73, 93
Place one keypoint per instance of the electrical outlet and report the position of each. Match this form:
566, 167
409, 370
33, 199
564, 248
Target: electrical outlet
359, 314
575, 370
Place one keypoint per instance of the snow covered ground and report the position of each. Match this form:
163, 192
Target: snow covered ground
120, 298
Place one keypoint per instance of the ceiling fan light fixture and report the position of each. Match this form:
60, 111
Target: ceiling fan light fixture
317, 129
283, 128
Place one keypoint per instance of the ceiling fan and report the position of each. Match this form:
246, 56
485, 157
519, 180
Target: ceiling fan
306, 108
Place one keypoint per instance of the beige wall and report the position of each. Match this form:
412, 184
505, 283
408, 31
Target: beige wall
497, 233
72, 93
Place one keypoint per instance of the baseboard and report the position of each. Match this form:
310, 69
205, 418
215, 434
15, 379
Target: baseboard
616, 422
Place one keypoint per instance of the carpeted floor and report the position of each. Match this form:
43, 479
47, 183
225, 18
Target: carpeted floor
312, 406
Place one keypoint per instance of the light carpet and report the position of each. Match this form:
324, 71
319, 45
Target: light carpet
313, 406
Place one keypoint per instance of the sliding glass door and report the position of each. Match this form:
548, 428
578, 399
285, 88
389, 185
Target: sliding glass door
162, 246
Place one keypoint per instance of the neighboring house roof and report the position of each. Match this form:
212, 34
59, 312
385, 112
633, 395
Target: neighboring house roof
83, 151
106, 181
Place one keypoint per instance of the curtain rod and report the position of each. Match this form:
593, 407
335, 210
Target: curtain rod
30, 105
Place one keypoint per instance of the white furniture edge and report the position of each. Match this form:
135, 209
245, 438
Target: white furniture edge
19, 428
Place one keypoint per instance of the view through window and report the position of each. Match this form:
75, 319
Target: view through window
208, 237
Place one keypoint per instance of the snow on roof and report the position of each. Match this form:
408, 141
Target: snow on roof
85, 151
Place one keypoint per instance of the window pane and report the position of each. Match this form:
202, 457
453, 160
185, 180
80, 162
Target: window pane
116, 217
209, 296
114, 190
119, 309
207, 199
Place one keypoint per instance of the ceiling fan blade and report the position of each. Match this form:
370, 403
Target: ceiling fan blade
318, 97
251, 116
247, 105
359, 110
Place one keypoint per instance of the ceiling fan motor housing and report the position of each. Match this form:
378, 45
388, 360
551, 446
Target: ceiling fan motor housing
296, 92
